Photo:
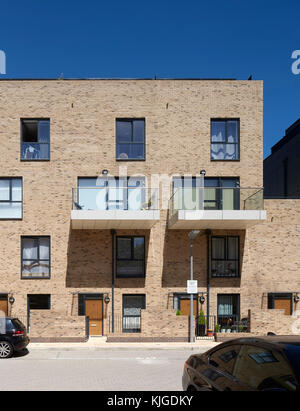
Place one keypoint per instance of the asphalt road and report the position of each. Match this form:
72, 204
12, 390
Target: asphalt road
103, 370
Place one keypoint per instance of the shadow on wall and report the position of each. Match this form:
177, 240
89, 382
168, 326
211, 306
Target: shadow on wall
176, 261
90, 260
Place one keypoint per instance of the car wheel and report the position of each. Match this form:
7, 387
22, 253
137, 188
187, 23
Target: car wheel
6, 349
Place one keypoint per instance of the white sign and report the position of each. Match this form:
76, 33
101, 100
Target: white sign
192, 286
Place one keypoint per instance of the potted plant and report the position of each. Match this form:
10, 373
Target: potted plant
201, 323
210, 332
228, 329
217, 328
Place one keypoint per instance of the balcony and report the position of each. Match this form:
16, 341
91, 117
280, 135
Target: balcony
114, 208
216, 208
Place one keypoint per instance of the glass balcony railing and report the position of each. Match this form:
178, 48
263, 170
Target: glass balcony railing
217, 198
115, 198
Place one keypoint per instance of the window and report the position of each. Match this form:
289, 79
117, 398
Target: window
228, 309
35, 257
281, 301
130, 257
111, 193
225, 358
130, 136
264, 369
217, 194
10, 198
35, 139
225, 139
39, 301
225, 256
132, 306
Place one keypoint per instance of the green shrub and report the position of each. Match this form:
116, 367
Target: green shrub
201, 318
178, 312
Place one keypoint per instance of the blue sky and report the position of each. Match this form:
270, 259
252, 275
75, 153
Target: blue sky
173, 38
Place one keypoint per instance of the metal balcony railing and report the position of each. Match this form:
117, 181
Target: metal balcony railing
115, 198
217, 198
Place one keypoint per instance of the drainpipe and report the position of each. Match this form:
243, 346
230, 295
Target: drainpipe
208, 233
113, 232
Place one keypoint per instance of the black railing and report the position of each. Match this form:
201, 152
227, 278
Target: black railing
205, 325
125, 324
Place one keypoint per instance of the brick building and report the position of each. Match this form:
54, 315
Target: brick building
101, 183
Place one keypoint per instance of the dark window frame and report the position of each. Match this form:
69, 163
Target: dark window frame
10, 196
226, 237
282, 295
34, 277
37, 119
28, 302
131, 120
131, 259
226, 120
143, 308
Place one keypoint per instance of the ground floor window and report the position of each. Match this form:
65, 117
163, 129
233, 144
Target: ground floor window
39, 301
281, 301
228, 309
132, 306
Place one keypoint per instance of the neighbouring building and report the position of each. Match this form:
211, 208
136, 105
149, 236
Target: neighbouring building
101, 182
282, 166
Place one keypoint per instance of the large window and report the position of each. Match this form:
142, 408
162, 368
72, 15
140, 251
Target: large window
111, 193
35, 139
225, 256
130, 257
35, 257
130, 136
10, 198
228, 309
132, 306
225, 139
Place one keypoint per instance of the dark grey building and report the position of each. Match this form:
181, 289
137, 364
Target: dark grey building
282, 166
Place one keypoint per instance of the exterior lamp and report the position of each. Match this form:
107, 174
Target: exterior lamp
296, 298
106, 299
203, 173
11, 300
202, 300
104, 172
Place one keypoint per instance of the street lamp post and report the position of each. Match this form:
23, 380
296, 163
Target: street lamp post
192, 235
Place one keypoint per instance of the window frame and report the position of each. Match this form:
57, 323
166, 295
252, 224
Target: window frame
226, 120
225, 237
131, 120
131, 259
28, 302
10, 197
49, 260
37, 119
238, 305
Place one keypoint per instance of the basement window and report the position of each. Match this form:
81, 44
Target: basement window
35, 139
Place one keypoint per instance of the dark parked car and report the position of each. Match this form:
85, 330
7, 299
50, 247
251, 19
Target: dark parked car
13, 337
246, 364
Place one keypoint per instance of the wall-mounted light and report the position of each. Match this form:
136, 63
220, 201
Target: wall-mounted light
106, 299
202, 299
11, 300
104, 172
203, 173
296, 299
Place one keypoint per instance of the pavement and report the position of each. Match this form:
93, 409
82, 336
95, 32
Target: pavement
99, 366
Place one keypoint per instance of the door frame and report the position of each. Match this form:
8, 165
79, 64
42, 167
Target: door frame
82, 306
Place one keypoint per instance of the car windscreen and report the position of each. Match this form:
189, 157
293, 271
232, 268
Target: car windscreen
292, 352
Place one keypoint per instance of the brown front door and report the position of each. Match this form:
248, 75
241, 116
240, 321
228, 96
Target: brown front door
283, 304
185, 305
94, 310
3, 306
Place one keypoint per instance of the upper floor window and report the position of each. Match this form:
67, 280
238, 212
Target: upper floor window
130, 257
130, 139
35, 257
35, 139
225, 139
10, 198
225, 256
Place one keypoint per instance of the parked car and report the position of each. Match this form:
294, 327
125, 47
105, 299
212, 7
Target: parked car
269, 363
13, 337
